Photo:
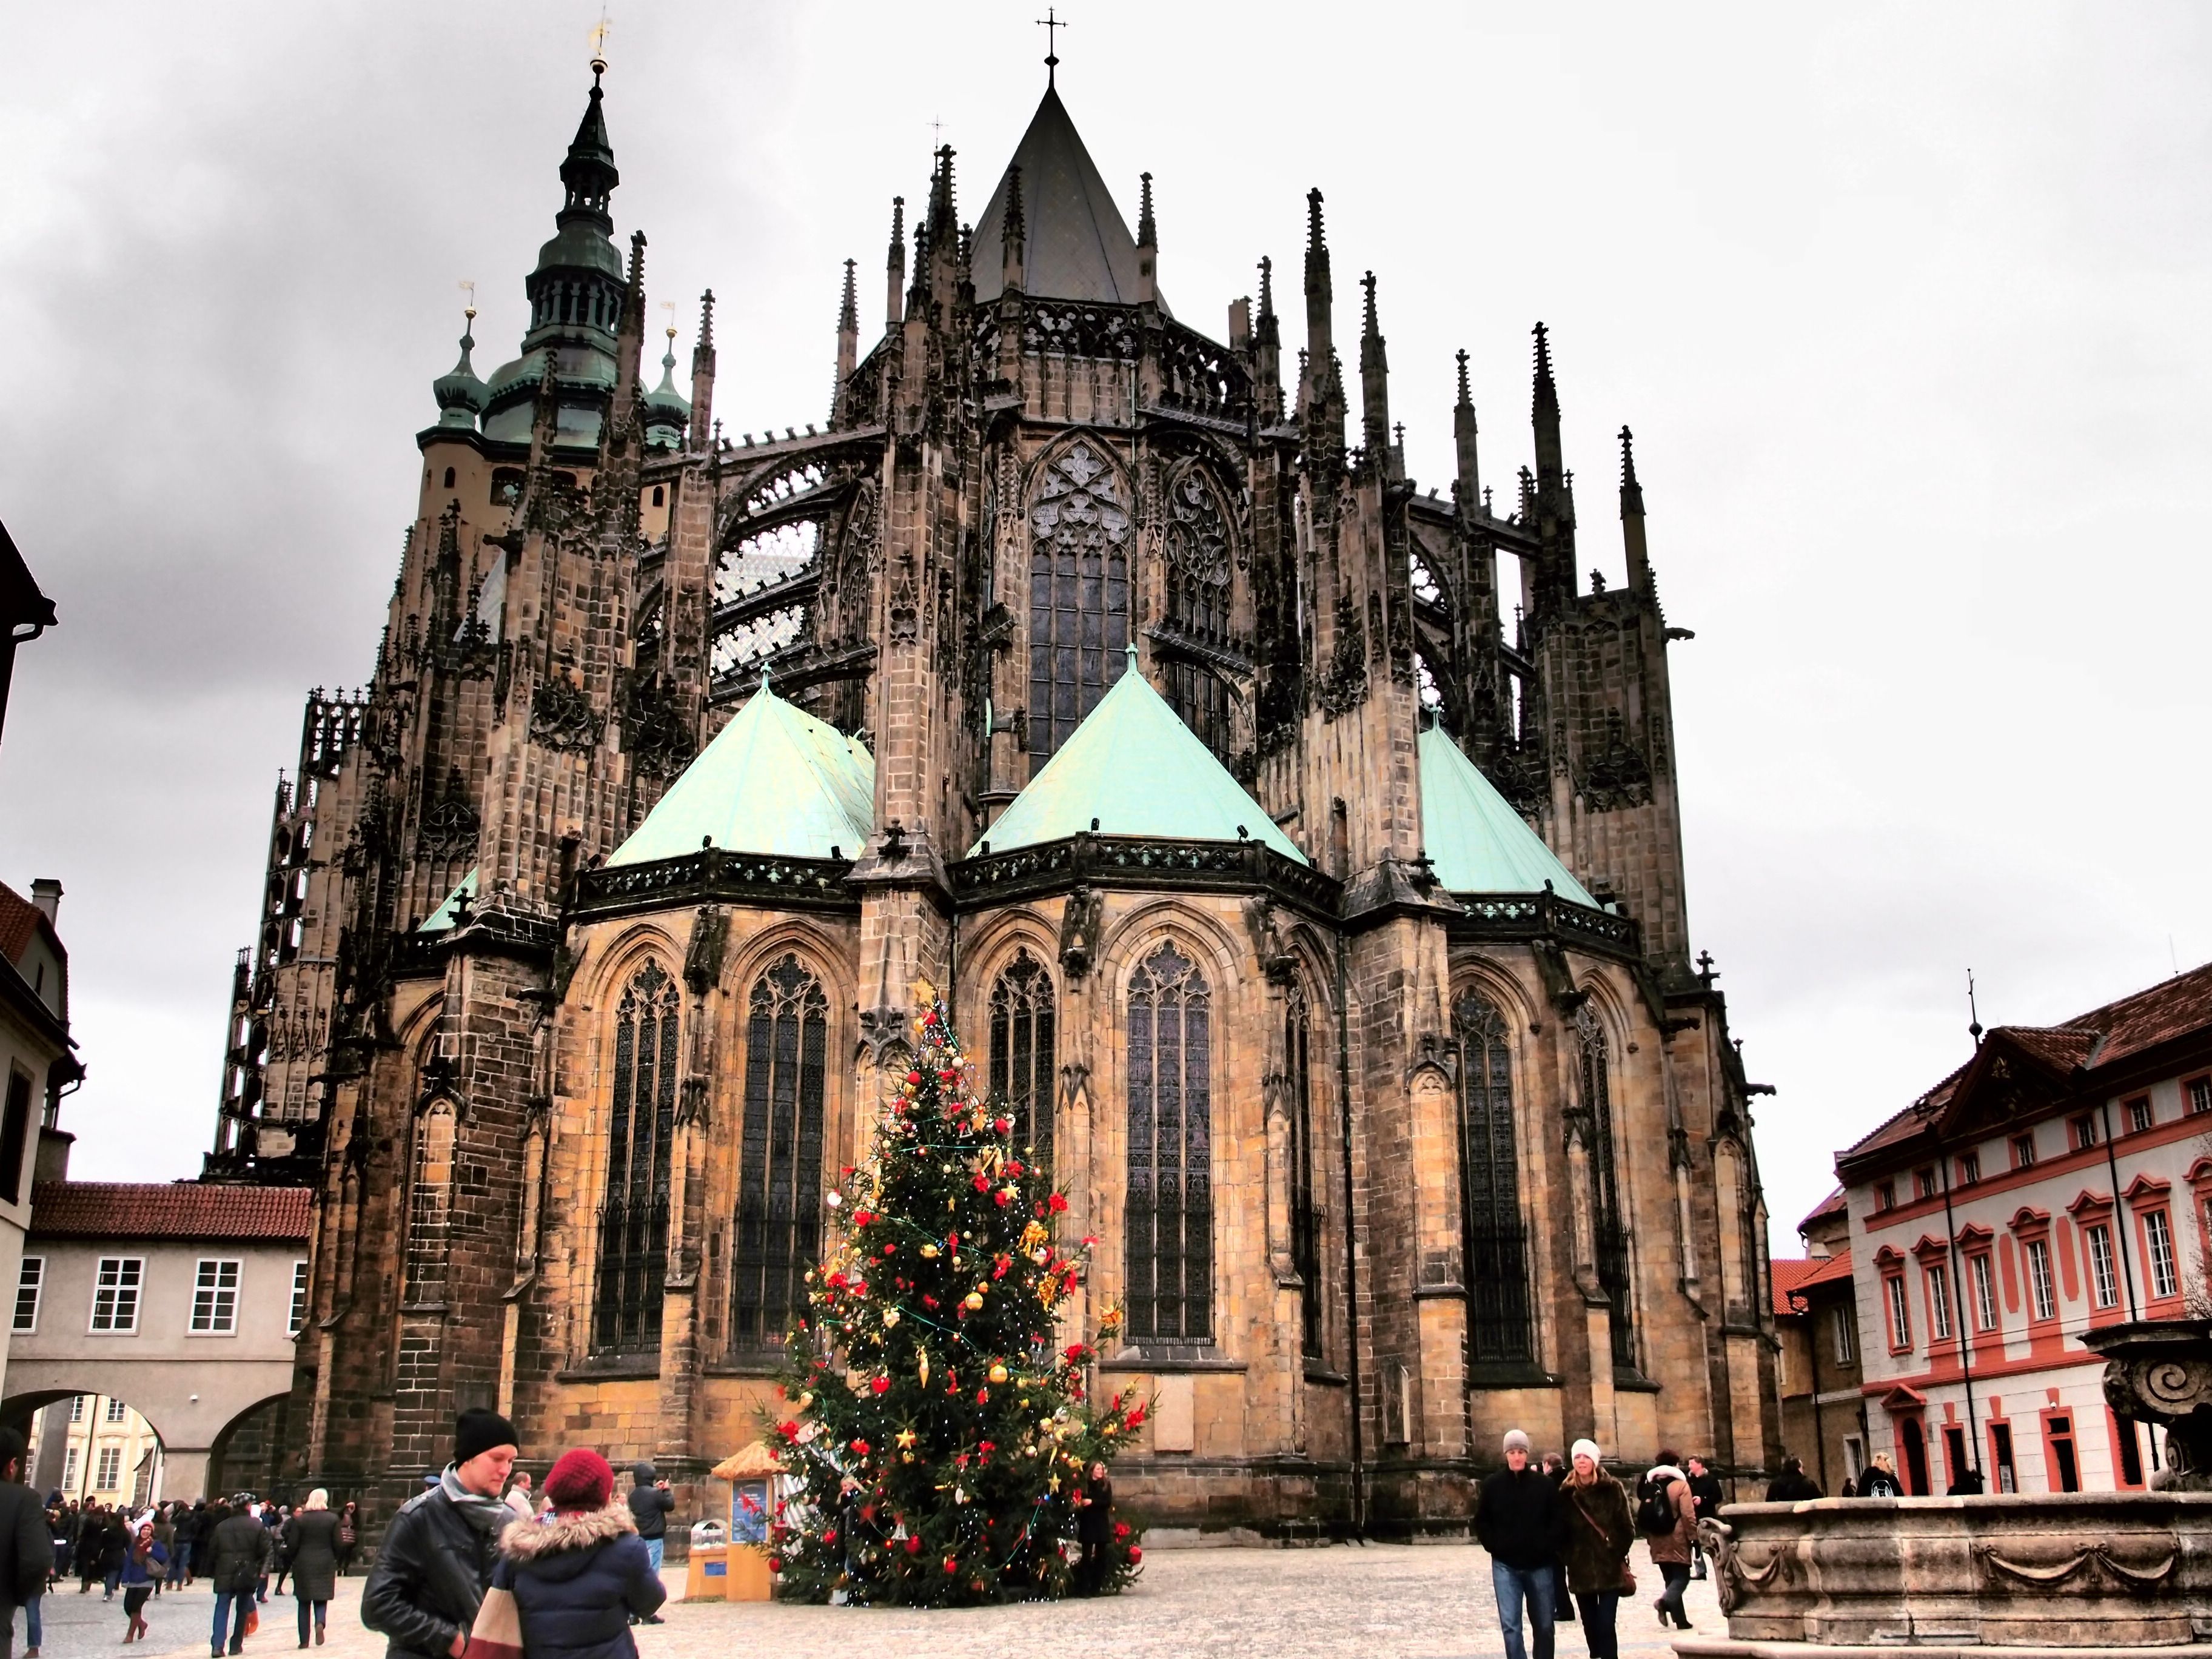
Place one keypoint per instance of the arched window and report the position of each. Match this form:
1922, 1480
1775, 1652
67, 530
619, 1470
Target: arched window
1198, 595
641, 1131
1022, 1057
449, 477
1497, 1247
780, 1153
1305, 1227
430, 1206
1605, 1188
1078, 593
1169, 1214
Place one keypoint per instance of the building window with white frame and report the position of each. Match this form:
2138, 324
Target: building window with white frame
2158, 1242
69, 1469
118, 1410
2200, 1094
1846, 1334
299, 1315
2104, 1277
1939, 1303
110, 1473
115, 1295
29, 1281
76, 1408
1900, 1313
2139, 1115
1985, 1292
215, 1297
2038, 1278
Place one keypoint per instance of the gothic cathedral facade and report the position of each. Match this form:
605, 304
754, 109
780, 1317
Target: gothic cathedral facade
1328, 937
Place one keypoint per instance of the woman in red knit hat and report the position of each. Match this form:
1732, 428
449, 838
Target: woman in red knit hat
581, 1572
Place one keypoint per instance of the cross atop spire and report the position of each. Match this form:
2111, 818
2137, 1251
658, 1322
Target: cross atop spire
1051, 24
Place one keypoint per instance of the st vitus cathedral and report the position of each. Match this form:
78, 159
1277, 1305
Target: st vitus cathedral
1327, 940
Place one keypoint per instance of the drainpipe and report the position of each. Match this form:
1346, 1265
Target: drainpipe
1963, 1315
1798, 1299
1351, 1245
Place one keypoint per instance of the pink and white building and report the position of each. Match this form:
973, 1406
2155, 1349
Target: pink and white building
2059, 1181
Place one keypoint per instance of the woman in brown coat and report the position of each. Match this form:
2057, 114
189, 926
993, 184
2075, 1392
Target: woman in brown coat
1599, 1530
1670, 1550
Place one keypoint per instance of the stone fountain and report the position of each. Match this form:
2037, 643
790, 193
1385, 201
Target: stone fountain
2067, 1575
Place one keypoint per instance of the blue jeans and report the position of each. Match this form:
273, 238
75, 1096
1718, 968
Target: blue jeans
1511, 1586
231, 1607
654, 1547
31, 1621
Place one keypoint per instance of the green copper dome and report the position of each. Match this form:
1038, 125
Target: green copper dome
461, 396
667, 412
774, 780
1133, 768
1477, 842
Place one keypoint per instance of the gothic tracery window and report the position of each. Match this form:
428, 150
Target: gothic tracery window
780, 1153
430, 1204
1611, 1238
1022, 1053
1305, 1221
1496, 1243
1168, 1216
1079, 532
1199, 608
641, 1134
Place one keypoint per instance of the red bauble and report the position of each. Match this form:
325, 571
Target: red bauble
881, 1385
914, 1078
1136, 1554
914, 1544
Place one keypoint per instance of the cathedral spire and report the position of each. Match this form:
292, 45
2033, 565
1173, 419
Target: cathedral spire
1631, 518
1374, 381
1268, 344
895, 283
1468, 485
703, 374
1544, 410
1315, 394
848, 342
1148, 245
588, 172
1013, 238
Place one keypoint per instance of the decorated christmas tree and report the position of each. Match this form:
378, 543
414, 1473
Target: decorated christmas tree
932, 1418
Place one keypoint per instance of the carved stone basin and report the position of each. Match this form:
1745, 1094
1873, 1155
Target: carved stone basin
2160, 1370
2072, 1570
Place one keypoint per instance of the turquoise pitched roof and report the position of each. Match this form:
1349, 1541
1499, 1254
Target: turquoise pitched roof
1135, 767
774, 780
449, 912
1477, 842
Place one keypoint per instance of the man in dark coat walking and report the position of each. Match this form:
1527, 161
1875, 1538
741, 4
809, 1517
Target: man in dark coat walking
238, 1557
26, 1548
430, 1577
1518, 1520
1705, 1492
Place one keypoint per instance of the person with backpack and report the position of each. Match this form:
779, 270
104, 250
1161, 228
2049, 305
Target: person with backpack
1600, 1529
237, 1558
1517, 1519
1667, 1516
1880, 1481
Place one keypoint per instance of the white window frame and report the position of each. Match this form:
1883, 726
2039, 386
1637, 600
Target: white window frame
68, 1469
2141, 1114
76, 1408
1939, 1303
1900, 1313
2200, 1094
120, 1282
1846, 1334
298, 1318
1985, 1290
107, 1472
2104, 1271
30, 1280
118, 1410
1854, 1457
2041, 1299
2158, 1244
217, 1282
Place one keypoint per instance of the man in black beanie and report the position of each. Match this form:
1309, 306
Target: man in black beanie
429, 1577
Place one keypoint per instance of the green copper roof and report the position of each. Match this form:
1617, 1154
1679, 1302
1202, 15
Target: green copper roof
1477, 842
449, 913
774, 780
1134, 768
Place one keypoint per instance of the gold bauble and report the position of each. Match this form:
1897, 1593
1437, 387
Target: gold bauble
999, 1372
975, 1300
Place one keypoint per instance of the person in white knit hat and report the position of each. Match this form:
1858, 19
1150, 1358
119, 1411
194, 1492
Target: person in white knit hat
1599, 1530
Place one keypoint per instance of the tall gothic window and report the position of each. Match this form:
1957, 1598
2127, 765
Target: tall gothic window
1078, 593
1605, 1188
430, 1206
640, 1132
780, 1153
1198, 595
1305, 1227
1022, 1058
1496, 1247
1169, 1219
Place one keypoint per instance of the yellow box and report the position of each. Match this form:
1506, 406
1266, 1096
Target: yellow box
707, 1579
748, 1577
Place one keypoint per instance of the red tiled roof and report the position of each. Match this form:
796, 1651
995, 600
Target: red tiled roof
182, 1209
1797, 1277
19, 922
1832, 1205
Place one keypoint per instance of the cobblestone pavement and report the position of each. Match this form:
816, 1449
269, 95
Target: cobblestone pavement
1389, 1601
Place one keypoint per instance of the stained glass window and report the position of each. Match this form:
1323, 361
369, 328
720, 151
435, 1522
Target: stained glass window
780, 1153
1169, 1214
1496, 1247
1022, 1060
640, 1132
1079, 534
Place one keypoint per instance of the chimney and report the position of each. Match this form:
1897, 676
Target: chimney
46, 897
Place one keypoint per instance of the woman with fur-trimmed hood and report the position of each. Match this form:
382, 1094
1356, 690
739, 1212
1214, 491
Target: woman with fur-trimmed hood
579, 1573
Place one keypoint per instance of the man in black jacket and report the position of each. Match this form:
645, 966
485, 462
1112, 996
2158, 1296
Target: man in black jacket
1518, 1518
26, 1548
650, 1500
1705, 1491
239, 1555
429, 1577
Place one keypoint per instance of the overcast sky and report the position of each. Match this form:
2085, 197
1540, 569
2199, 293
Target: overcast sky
1907, 306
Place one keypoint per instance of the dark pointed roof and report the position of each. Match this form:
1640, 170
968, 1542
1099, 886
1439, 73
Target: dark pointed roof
1077, 245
